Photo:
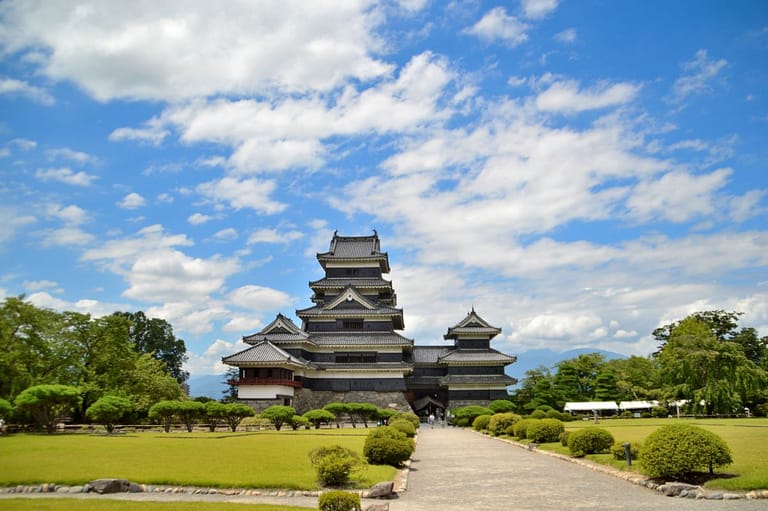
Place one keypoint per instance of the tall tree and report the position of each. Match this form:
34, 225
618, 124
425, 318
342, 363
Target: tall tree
636, 377
715, 374
155, 336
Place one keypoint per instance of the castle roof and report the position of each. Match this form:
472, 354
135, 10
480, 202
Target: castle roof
281, 329
472, 326
355, 248
264, 353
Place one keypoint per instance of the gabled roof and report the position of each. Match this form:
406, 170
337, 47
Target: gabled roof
350, 294
264, 353
355, 248
460, 357
358, 282
472, 325
281, 329
360, 339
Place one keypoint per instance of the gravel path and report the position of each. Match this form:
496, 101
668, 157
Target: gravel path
457, 469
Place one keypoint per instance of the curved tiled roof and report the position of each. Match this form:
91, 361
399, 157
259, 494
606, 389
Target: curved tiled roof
371, 339
264, 353
339, 283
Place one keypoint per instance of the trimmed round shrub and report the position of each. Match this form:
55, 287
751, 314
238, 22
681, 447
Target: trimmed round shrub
334, 464
339, 501
520, 428
466, 415
627, 415
481, 422
679, 449
660, 411
404, 426
564, 438
409, 416
501, 406
387, 446
544, 431
618, 452
590, 440
499, 422
538, 414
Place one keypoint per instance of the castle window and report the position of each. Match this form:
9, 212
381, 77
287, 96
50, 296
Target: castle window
352, 324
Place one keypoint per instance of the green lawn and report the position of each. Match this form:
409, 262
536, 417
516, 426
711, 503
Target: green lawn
239, 460
747, 438
54, 504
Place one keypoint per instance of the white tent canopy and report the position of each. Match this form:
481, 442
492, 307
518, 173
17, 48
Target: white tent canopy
637, 405
590, 406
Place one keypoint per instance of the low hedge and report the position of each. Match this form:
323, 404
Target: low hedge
590, 440
481, 422
339, 501
499, 422
388, 446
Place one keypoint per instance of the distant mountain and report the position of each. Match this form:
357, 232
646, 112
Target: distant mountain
208, 385
532, 359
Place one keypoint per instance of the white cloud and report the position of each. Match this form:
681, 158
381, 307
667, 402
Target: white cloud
152, 133
677, 196
65, 175
536, 9
71, 214
37, 285
124, 251
566, 97
242, 193
497, 25
698, 77
273, 236
567, 36
228, 234
259, 298
209, 362
64, 237
132, 201
11, 86
748, 205
70, 154
85, 306
159, 50
198, 218
11, 222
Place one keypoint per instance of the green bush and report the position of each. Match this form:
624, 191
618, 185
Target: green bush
339, 501
334, 464
470, 413
501, 406
403, 426
520, 428
627, 415
564, 438
409, 416
544, 430
387, 446
538, 414
618, 452
660, 412
319, 416
298, 421
679, 449
481, 422
499, 422
108, 410
589, 440
278, 415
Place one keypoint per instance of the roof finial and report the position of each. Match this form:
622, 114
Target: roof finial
374, 232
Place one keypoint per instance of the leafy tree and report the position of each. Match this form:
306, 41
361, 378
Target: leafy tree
696, 365
576, 378
28, 354
148, 383
155, 336
298, 421
164, 412
278, 415
189, 412
230, 395
606, 387
536, 389
48, 403
235, 413
636, 377
319, 416
337, 409
215, 413
108, 410
5, 408
362, 412
385, 414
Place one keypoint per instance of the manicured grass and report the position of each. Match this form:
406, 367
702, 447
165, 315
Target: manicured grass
747, 438
224, 460
47, 504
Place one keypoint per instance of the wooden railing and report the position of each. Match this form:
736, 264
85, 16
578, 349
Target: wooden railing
265, 381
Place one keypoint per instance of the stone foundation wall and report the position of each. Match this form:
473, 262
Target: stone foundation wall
259, 405
306, 399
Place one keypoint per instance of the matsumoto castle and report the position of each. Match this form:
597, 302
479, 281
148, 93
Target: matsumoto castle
348, 349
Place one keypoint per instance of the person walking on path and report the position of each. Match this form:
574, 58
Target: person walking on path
458, 469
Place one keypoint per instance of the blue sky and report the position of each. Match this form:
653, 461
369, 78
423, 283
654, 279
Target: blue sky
580, 172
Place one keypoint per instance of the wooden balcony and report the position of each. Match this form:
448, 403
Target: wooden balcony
265, 381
